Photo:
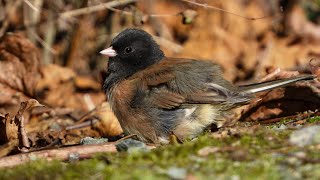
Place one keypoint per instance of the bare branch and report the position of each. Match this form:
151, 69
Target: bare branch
222, 10
64, 154
91, 9
31, 5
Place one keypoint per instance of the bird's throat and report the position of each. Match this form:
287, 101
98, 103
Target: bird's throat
119, 70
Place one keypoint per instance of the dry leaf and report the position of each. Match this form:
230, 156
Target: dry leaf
87, 83
13, 134
108, 124
315, 67
283, 102
19, 64
9, 131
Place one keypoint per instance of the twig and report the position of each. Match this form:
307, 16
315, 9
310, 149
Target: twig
31, 14
8, 9
31, 5
24, 143
82, 124
271, 75
49, 39
43, 43
90, 113
19, 120
24, 136
148, 15
91, 9
88, 101
126, 137
78, 12
222, 10
83, 120
295, 117
64, 154
49, 146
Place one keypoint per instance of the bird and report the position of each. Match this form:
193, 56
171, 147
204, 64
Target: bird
155, 97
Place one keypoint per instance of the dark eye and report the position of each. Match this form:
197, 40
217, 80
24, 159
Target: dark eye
128, 49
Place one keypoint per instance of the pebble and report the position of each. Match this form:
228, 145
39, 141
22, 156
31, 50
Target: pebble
90, 140
177, 173
131, 145
306, 136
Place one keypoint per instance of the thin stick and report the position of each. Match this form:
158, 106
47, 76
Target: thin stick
91, 9
9, 8
31, 5
294, 117
148, 15
64, 154
222, 10
44, 43
82, 124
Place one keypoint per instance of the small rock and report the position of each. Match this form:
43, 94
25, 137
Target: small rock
131, 145
73, 157
177, 173
90, 140
306, 136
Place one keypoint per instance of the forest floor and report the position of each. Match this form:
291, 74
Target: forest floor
264, 152
52, 101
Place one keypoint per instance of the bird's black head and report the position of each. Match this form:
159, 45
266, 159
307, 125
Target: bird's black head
130, 51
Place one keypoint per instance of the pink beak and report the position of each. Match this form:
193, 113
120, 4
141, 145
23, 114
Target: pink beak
110, 52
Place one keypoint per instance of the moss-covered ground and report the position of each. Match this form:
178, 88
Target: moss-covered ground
259, 153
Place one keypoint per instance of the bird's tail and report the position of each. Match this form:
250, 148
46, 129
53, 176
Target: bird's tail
265, 86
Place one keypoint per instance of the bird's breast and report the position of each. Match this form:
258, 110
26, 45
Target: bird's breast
119, 98
132, 120
196, 120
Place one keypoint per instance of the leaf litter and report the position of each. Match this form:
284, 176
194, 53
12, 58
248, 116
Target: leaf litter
48, 106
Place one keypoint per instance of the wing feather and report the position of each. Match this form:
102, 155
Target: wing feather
176, 82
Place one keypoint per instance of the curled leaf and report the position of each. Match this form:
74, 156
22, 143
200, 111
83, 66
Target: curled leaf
315, 67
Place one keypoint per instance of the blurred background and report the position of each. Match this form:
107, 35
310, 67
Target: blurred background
49, 50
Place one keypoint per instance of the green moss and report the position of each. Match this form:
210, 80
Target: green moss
313, 119
264, 154
285, 120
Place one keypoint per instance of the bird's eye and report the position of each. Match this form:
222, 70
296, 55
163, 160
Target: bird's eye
128, 49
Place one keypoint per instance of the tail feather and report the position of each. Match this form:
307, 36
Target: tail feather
265, 86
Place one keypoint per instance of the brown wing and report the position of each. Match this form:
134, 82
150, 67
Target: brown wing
174, 82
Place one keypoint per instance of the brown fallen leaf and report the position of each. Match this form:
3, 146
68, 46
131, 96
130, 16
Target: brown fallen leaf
9, 135
315, 67
101, 119
9, 130
108, 124
283, 102
61, 87
299, 24
85, 83
19, 64
19, 120
15, 136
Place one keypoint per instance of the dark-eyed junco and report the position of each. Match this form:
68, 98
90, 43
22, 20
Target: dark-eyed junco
154, 96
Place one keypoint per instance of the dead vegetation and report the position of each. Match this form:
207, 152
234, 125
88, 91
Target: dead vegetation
51, 72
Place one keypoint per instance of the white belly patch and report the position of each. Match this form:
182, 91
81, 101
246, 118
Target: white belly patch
196, 119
